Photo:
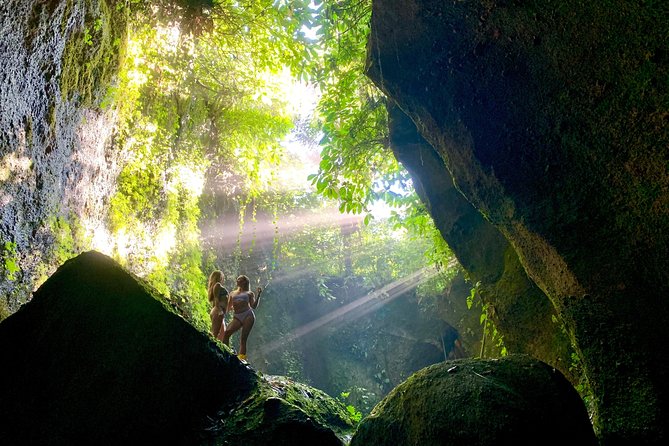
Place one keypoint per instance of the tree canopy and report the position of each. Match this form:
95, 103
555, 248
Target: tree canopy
205, 101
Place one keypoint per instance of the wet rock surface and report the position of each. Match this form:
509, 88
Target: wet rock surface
514, 400
96, 357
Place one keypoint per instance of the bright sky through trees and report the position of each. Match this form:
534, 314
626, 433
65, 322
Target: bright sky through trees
301, 101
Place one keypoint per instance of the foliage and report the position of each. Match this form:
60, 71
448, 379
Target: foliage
492, 343
420, 226
197, 105
69, 237
355, 414
202, 110
356, 167
365, 397
201, 106
324, 263
472, 294
583, 386
271, 32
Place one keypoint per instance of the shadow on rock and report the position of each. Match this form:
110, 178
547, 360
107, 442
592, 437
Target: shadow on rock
98, 357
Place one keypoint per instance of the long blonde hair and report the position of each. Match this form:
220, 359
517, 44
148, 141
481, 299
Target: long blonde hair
214, 278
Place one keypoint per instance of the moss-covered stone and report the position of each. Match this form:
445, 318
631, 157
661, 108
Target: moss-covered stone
514, 400
98, 357
287, 412
93, 52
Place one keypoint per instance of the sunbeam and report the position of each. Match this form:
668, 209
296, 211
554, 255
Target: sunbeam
312, 268
362, 306
226, 234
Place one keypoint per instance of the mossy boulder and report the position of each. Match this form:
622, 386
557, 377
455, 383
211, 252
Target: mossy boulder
514, 400
98, 357
284, 412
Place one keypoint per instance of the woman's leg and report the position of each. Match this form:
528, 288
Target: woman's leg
247, 325
216, 320
221, 332
232, 328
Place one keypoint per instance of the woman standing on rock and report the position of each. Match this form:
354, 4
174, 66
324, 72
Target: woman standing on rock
243, 302
217, 295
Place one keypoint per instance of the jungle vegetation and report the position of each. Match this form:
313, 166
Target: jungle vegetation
219, 169
204, 106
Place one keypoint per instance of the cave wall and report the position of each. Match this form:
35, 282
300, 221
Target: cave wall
551, 118
57, 60
517, 306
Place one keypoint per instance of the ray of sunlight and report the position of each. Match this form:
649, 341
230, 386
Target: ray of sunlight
226, 233
362, 306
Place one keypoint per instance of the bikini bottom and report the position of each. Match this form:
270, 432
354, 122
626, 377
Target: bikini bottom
241, 317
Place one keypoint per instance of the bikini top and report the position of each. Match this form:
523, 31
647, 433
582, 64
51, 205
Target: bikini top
220, 305
222, 292
241, 297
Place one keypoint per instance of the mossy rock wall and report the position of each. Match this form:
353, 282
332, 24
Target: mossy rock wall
514, 400
97, 357
551, 117
57, 169
520, 310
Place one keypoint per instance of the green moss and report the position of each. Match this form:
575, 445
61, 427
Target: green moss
92, 54
138, 195
279, 401
69, 237
513, 400
9, 260
4, 311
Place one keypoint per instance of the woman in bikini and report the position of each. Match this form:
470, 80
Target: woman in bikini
243, 302
217, 296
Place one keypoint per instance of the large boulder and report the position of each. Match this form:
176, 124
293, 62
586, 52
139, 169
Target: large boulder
514, 400
97, 357
551, 118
